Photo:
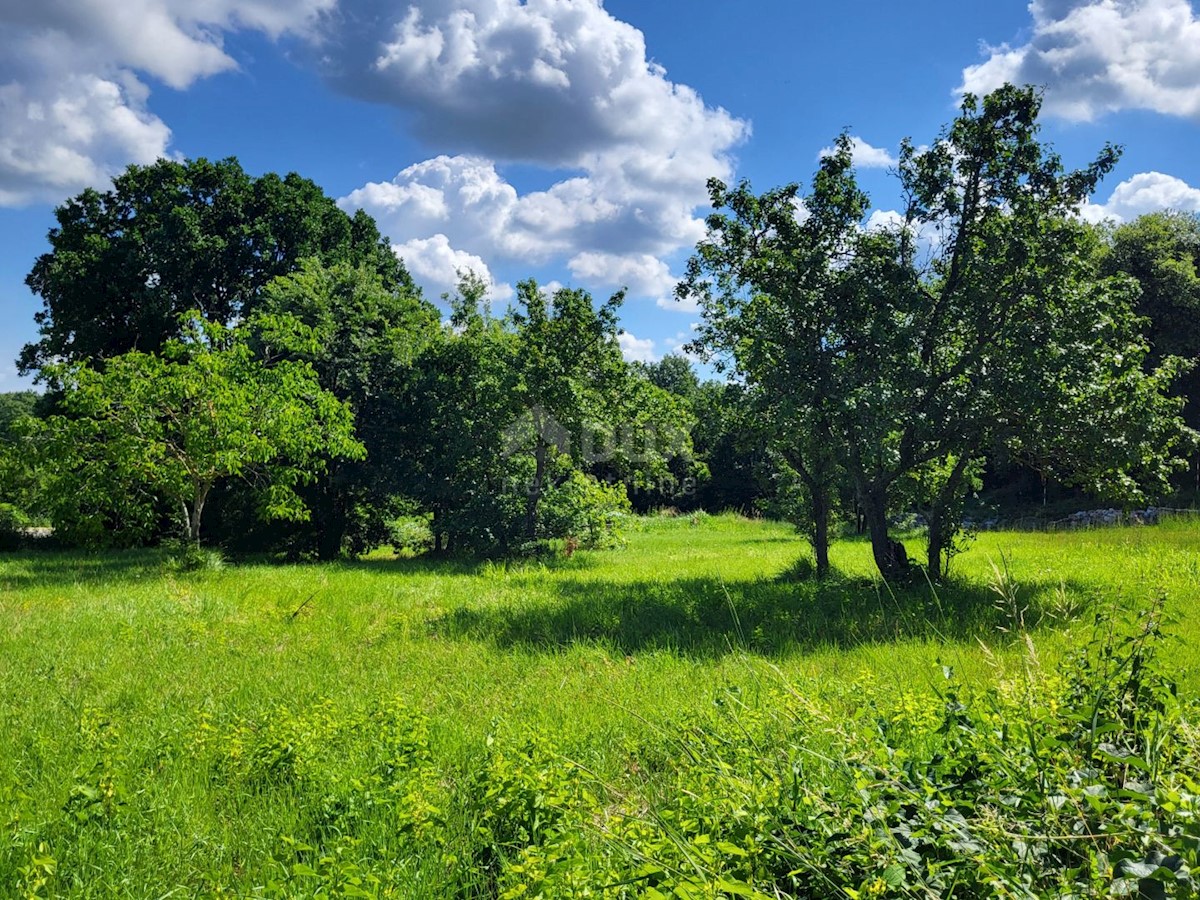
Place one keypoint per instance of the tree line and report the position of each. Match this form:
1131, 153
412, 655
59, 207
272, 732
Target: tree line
237, 360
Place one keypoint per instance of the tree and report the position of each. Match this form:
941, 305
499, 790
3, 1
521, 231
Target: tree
362, 339
765, 278
581, 399
15, 405
18, 484
568, 364
1161, 251
150, 429
672, 373
730, 442
1020, 340
874, 367
174, 236
454, 413
530, 426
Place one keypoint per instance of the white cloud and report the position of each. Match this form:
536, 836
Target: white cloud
559, 83
884, 220
547, 81
438, 267
636, 349
57, 138
677, 345
1100, 56
72, 103
674, 304
644, 275
865, 156
1144, 193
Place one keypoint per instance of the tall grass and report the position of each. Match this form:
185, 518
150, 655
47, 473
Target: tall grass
194, 732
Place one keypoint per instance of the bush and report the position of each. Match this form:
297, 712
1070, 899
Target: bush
581, 509
411, 534
188, 556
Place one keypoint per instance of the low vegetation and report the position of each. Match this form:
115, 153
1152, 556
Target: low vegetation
694, 715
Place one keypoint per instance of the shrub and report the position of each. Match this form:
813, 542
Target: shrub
581, 508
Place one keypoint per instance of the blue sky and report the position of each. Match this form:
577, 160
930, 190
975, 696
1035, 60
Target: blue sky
569, 140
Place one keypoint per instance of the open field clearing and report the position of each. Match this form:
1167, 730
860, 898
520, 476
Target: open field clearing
406, 727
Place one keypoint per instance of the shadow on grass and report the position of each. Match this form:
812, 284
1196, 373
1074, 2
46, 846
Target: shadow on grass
709, 617
54, 567
470, 566
63, 568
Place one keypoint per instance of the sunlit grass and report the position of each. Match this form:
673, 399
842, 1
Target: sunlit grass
604, 649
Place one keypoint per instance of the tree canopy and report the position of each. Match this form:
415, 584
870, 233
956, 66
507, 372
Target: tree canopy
170, 237
154, 432
874, 366
363, 340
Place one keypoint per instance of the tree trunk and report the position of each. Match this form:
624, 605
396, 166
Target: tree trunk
820, 538
935, 548
331, 531
890, 556
198, 501
535, 490
331, 519
941, 530
820, 506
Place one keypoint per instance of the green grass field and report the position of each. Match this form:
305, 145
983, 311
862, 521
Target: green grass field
216, 733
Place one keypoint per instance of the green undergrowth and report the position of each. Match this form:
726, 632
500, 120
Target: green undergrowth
691, 717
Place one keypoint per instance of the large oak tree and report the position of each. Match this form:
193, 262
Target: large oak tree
166, 238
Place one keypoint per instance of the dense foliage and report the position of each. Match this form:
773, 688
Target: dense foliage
154, 433
877, 371
171, 237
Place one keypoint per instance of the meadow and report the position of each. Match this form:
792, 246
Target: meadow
648, 721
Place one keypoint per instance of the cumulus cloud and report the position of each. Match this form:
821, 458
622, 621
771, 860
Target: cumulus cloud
558, 83
1144, 193
1100, 56
548, 81
865, 156
57, 138
636, 349
644, 275
73, 105
437, 265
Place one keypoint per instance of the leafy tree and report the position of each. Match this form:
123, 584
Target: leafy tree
875, 368
453, 414
581, 399
1020, 340
507, 414
1162, 252
16, 405
568, 366
729, 440
765, 277
174, 236
20, 484
149, 430
672, 373
362, 338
